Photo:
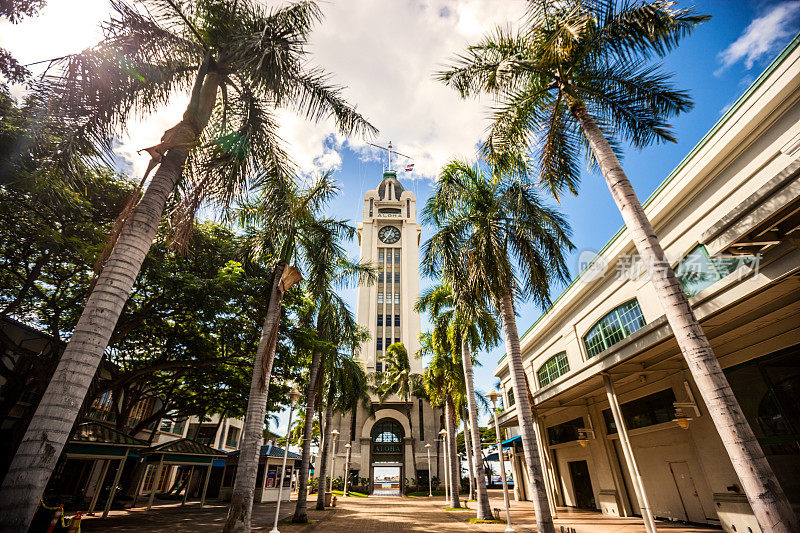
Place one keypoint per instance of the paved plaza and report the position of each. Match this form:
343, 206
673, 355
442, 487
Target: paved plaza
365, 515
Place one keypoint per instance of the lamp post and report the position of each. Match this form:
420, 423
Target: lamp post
294, 395
430, 486
347, 468
493, 397
443, 433
335, 435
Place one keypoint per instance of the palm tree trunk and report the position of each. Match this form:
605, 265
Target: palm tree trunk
301, 508
468, 452
455, 474
326, 450
544, 521
57, 412
766, 497
241, 506
412, 443
484, 508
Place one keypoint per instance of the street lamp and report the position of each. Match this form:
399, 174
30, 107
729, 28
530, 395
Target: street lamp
293, 397
430, 486
443, 433
335, 434
347, 468
493, 396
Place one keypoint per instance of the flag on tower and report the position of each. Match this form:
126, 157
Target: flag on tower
410, 167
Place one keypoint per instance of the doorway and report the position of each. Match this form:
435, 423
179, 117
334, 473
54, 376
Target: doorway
582, 485
386, 480
684, 483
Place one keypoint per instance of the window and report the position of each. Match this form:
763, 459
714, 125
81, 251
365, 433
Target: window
397, 320
380, 277
510, 397
652, 409
421, 422
178, 427
388, 342
553, 368
396, 339
379, 344
233, 437
166, 425
614, 327
397, 298
565, 432
380, 257
397, 257
698, 271
379, 366
380, 319
397, 277
380, 297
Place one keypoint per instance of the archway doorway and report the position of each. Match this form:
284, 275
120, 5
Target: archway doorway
387, 469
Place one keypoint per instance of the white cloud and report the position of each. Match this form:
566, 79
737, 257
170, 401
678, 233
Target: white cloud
385, 53
762, 36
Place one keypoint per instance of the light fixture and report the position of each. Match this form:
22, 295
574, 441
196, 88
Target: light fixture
347, 445
683, 421
584, 434
493, 396
428, 445
335, 433
294, 395
443, 432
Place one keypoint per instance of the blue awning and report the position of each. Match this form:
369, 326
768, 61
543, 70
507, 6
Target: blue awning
512, 441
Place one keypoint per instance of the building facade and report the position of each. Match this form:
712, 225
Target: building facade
729, 220
389, 438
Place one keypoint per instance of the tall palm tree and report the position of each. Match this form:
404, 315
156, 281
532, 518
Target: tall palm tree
578, 76
285, 224
336, 327
496, 238
398, 380
347, 387
240, 61
443, 381
467, 326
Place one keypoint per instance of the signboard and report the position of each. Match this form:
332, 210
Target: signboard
387, 448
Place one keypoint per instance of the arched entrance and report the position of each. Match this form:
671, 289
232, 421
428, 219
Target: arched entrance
387, 468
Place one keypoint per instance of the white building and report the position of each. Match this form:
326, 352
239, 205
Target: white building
381, 438
736, 195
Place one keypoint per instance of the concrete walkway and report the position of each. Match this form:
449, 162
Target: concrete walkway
367, 515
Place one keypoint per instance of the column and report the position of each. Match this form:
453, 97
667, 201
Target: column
544, 457
627, 451
156, 480
205, 484
113, 491
99, 486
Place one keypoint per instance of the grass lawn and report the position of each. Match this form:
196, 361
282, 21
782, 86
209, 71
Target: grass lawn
351, 494
476, 521
457, 509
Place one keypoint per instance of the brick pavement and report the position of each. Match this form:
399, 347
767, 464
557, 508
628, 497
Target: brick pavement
365, 515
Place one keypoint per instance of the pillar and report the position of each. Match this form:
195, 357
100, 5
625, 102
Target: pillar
205, 483
187, 486
113, 491
544, 457
99, 486
627, 451
156, 479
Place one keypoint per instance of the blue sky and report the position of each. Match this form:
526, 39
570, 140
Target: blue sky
707, 64
384, 53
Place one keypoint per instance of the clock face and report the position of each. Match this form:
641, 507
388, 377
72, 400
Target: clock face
389, 234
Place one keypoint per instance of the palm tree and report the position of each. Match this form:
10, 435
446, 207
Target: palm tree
336, 326
240, 61
443, 381
397, 379
347, 386
285, 224
497, 239
574, 75
467, 327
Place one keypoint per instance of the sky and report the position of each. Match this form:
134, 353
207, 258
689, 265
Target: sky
384, 52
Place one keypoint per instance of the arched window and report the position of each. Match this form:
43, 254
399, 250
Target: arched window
553, 368
387, 431
615, 326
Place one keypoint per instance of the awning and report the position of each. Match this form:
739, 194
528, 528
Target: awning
512, 442
93, 440
182, 451
770, 215
268, 451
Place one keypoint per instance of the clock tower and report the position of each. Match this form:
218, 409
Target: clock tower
387, 439
389, 238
